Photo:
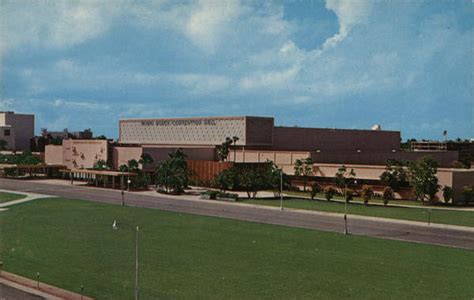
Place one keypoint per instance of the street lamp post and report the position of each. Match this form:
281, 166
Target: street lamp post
345, 206
115, 227
128, 176
281, 189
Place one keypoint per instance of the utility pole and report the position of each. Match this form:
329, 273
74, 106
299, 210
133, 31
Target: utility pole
136, 264
345, 208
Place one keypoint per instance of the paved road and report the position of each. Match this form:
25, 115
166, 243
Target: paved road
381, 229
11, 293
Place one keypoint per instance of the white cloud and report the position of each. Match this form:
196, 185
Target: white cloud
72, 75
349, 14
53, 24
210, 21
201, 83
273, 80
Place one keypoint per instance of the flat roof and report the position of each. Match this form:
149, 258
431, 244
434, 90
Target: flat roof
198, 118
99, 172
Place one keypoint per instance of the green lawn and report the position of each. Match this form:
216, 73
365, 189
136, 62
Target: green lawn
5, 197
463, 218
71, 242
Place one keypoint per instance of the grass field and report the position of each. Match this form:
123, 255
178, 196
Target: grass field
5, 197
71, 242
463, 218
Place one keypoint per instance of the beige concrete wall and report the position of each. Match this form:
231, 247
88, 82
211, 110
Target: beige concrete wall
279, 157
82, 154
121, 155
53, 155
445, 159
24, 127
10, 139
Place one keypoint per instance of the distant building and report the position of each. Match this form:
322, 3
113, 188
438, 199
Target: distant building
86, 134
16, 130
38, 143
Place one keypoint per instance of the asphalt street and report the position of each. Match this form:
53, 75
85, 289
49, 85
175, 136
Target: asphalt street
374, 228
10, 293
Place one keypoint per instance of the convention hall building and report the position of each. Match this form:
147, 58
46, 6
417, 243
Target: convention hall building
257, 140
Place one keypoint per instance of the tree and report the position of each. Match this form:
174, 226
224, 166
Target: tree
173, 173
315, 189
344, 178
329, 193
133, 165
145, 159
3, 145
387, 195
395, 175
367, 194
235, 140
251, 180
26, 158
422, 178
226, 180
123, 168
304, 167
223, 150
100, 165
447, 193
276, 178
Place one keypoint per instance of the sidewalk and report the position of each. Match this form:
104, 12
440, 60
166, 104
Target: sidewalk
29, 197
43, 290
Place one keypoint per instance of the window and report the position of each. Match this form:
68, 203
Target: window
6, 132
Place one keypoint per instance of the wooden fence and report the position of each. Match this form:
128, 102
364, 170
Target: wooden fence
205, 170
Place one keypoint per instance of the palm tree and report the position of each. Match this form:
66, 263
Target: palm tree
145, 159
235, 139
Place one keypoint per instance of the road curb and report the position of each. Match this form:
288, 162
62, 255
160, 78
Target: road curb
39, 289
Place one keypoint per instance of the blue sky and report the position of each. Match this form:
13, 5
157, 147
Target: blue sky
406, 65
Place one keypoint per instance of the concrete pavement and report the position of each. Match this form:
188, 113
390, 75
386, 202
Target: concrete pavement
369, 227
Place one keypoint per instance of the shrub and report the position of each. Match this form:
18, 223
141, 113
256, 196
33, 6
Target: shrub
217, 194
447, 193
367, 193
388, 195
315, 188
142, 180
349, 195
226, 180
329, 193
468, 193
211, 194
